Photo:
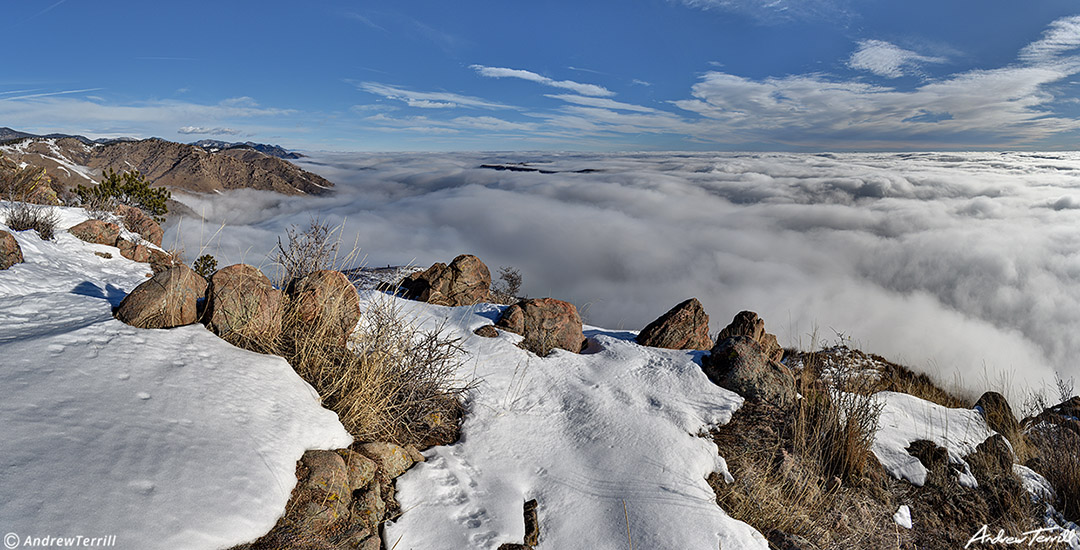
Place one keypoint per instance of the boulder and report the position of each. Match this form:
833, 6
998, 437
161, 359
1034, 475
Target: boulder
333, 506
747, 323
133, 251
546, 324
161, 260
740, 364
325, 490
169, 299
97, 232
486, 331
140, 222
10, 253
685, 326
392, 460
998, 414
243, 307
326, 302
466, 281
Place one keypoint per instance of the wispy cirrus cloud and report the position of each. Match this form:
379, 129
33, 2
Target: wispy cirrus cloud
45, 94
779, 11
1062, 36
428, 100
888, 60
578, 87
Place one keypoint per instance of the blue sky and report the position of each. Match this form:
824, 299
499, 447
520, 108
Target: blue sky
798, 75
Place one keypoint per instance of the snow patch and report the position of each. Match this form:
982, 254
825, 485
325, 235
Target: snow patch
906, 418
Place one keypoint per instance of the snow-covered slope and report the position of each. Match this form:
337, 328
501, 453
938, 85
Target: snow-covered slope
169, 439
585, 435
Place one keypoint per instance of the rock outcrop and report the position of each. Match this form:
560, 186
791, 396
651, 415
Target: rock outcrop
97, 232
10, 253
747, 323
140, 222
243, 307
169, 299
133, 251
998, 414
546, 324
739, 363
685, 326
324, 301
466, 281
338, 503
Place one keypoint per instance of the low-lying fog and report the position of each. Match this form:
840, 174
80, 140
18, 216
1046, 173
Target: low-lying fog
966, 266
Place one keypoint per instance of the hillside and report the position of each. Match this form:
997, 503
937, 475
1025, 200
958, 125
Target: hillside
71, 162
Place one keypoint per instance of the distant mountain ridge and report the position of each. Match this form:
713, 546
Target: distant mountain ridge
210, 145
215, 145
71, 161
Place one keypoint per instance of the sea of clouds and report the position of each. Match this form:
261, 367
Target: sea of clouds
962, 265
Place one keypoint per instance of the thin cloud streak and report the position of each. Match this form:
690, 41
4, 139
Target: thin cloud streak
583, 89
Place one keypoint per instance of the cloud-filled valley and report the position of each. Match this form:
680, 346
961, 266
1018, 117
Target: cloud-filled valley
961, 265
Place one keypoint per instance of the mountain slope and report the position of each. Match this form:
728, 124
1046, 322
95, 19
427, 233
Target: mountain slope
71, 162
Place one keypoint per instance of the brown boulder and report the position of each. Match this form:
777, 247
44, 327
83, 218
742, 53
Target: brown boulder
10, 253
685, 326
546, 324
138, 221
466, 281
740, 364
133, 251
998, 414
325, 301
161, 260
169, 299
97, 232
392, 460
243, 307
486, 331
747, 323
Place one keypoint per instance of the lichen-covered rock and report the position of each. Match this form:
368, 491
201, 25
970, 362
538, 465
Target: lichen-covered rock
747, 323
685, 326
546, 324
466, 281
169, 299
97, 232
393, 460
243, 307
138, 221
10, 253
739, 364
325, 302
133, 251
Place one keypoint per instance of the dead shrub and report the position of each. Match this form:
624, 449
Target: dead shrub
313, 249
507, 289
21, 216
396, 382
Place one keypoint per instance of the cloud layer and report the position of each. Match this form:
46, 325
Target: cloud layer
960, 265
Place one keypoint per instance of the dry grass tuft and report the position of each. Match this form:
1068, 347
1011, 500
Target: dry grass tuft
395, 382
899, 378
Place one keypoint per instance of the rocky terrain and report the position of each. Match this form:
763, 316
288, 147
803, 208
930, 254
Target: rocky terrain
69, 162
